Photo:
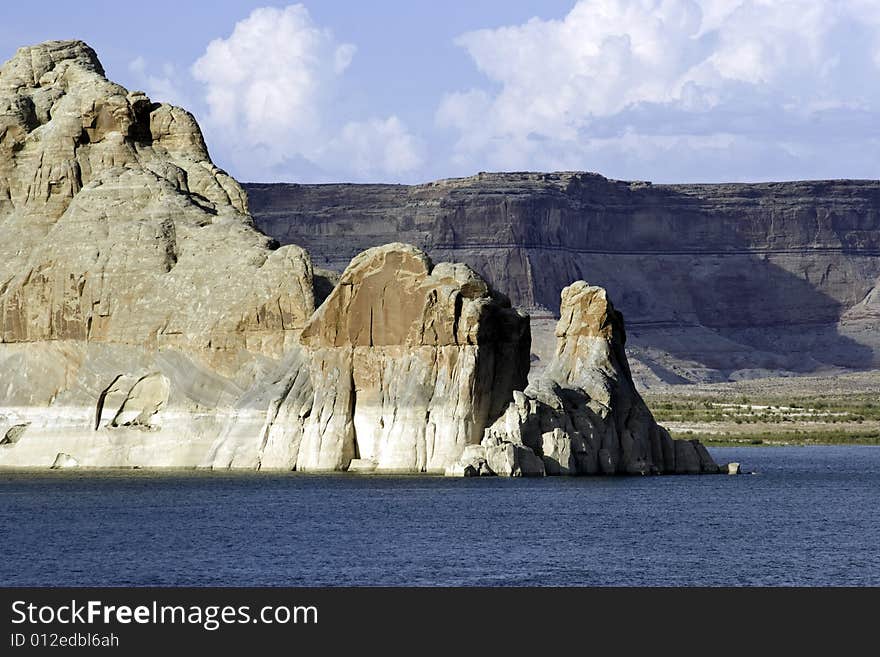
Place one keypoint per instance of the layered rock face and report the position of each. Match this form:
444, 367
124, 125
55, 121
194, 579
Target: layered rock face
405, 364
584, 415
717, 281
112, 207
145, 322
139, 307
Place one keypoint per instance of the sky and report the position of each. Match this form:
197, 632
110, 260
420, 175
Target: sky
414, 90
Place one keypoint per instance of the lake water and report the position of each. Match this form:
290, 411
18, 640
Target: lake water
810, 517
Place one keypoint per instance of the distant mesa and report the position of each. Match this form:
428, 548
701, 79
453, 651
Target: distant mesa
145, 321
719, 282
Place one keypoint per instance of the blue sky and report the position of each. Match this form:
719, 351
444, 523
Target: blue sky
662, 90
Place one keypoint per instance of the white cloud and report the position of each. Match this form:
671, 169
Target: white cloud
666, 88
374, 148
271, 89
161, 88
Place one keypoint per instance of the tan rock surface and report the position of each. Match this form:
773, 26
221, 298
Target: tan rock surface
144, 322
140, 310
584, 415
408, 363
114, 208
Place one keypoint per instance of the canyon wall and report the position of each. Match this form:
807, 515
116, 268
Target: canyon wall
717, 282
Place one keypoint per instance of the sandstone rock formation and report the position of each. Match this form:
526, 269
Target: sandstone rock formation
115, 208
404, 365
145, 322
584, 415
138, 303
717, 282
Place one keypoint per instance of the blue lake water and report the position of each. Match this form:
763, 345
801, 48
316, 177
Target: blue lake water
810, 517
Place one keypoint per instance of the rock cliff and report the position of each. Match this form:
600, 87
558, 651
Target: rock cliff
717, 282
138, 303
114, 207
145, 322
408, 362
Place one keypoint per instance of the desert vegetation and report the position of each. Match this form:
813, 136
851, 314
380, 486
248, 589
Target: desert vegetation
731, 417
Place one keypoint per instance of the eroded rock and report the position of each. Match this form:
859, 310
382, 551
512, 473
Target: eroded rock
13, 434
407, 364
64, 461
584, 415
135, 292
120, 229
144, 322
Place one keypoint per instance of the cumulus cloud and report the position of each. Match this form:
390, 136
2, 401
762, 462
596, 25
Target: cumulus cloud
676, 89
374, 148
162, 85
271, 89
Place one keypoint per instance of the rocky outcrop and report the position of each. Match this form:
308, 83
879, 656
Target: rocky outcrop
140, 310
145, 322
718, 282
114, 207
404, 366
584, 415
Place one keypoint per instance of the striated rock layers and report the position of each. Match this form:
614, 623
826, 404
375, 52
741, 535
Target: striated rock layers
145, 322
718, 282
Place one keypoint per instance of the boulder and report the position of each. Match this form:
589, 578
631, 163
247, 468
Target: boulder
63, 460
460, 469
556, 449
528, 464
362, 466
502, 459
512, 460
13, 434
